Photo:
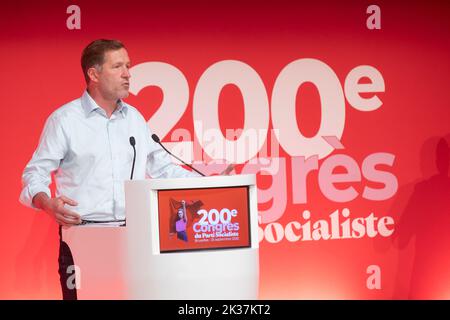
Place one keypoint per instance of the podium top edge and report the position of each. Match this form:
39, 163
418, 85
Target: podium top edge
196, 182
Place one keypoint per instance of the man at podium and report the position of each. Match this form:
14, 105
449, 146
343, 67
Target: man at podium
92, 144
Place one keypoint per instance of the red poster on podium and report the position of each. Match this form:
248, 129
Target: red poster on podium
195, 219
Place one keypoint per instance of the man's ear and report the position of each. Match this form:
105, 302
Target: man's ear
93, 74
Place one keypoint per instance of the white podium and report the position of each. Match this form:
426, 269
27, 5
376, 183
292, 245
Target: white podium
217, 258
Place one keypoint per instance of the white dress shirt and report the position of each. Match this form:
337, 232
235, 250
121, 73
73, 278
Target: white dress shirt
91, 156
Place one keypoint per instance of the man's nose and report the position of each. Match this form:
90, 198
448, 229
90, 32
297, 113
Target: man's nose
126, 73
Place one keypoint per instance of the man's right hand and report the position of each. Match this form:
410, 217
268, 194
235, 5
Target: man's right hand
55, 207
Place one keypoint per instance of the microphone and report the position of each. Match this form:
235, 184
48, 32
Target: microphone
133, 143
156, 139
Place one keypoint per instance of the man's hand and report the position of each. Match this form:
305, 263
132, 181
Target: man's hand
55, 207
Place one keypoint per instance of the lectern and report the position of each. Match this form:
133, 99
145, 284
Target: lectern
187, 238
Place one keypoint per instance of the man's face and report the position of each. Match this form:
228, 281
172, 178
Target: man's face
114, 77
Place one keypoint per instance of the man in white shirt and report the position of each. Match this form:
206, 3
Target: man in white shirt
86, 142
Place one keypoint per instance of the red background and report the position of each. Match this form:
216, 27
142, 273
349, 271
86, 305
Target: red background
41, 71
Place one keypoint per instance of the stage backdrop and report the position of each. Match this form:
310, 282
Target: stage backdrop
341, 109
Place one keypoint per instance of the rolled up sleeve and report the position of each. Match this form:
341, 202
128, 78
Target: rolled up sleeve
46, 159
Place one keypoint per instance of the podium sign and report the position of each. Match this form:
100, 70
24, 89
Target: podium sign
211, 254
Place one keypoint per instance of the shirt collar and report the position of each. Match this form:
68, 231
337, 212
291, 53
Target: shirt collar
88, 104
122, 107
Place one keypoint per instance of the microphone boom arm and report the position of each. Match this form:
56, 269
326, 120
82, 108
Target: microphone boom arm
156, 139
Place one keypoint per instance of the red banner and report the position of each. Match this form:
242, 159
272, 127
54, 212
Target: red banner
341, 110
